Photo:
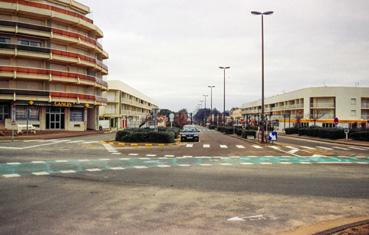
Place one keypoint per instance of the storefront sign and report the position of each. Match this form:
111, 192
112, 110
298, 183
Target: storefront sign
63, 104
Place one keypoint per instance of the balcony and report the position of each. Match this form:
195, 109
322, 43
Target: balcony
322, 105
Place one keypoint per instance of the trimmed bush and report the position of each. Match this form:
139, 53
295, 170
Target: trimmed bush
238, 131
291, 130
246, 133
148, 136
360, 135
212, 127
175, 130
327, 133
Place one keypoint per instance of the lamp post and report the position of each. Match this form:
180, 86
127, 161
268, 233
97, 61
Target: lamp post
262, 71
224, 70
211, 102
205, 116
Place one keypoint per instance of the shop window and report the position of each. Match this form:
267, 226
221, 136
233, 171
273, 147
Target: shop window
21, 113
4, 40
76, 115
27, 42
4, 112
328, 125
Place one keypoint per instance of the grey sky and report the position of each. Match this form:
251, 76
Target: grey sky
171, 49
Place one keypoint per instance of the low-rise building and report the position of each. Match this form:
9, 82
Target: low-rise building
126, 107
318, 106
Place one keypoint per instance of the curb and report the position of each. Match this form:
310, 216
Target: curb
324, 140
48, 136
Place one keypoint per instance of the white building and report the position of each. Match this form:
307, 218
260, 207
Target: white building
126, 107
314, 106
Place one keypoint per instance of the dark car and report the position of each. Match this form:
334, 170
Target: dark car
190, 133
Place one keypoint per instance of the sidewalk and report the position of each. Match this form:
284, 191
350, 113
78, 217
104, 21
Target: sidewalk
51, 135
339, 141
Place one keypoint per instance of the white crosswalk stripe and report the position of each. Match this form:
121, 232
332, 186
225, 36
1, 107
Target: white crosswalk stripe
357, 148
341, 148
257, 146
324, 148
240, 146
223, 146
206, 146
189, 145
307, 147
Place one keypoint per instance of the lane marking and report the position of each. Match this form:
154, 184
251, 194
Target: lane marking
140, 167
84, 160
169, 156
93, 169
61, 161
38, 162
223, 146
163, 166
286, 163
133, 154
13, 163
356, 148
257, 146
266, 163
341, 148
150, 155
144, 158
110, 148
40, 173
189, 145
205, 164
186, 156
184, 165
124, 159
363, 163
68, 172
226, 164
116, 168
104, 159
305, 163
240, 146
11, 175
74, 141
324, 148
91, 142
247, 163
307, 147
206, 146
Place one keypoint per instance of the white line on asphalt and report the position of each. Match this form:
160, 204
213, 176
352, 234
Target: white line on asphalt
247, 163
205, 164
140, 167
11, 175
169, 156
266, 163
324, 148
41, 173
124, 159
335, 163
104, 159
91, 142
275, 147
38, 162
305, 163
162, 158
184, 165
5, 147
357, 148
84, 160
116, 153
363, 163
74, 141
163, 166
13, 163
223, 146
144, 158
93, 169
206, 146
307, 147
240, 146
186, 156
150, 155
133, 154
340, 148
257, 146
61, 161
110, 148
286, 163
225, 164
116, 168
189, 145
68, 172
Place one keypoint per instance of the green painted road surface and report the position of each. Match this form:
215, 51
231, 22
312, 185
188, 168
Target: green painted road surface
39, 168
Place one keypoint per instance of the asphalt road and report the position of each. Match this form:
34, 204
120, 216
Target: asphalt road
84, 186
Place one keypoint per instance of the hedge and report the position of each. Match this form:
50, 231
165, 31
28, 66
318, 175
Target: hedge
175, 130
145, 137
328, 133
225, 129
291, 130
212, 127
246, 133
360, 135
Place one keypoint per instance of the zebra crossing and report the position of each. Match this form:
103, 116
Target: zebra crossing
288, 148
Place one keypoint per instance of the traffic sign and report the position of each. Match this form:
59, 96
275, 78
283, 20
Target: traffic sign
336, 120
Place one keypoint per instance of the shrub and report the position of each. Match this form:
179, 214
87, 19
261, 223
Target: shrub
175, 130
246, 133
145, 136
360, 135
239, 131
220, 128
212, 127
328, 133
291, 130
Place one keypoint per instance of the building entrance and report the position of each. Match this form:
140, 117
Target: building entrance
55, 118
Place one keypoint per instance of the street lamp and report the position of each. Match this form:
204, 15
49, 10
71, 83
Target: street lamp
224, 69
206, 113
211, 102
262, 71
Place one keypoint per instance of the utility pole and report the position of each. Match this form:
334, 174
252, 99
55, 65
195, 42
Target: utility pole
224, 75
211, 102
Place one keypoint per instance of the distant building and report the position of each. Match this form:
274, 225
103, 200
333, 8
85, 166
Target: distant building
314, 106
236, 114
126, 107
51, 65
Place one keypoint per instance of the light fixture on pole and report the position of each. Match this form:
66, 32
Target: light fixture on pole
224, 69
262, 122
211, 102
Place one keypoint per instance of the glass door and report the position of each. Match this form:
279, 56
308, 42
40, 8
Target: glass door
55, 118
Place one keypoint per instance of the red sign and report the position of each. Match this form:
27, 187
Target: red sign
336, 120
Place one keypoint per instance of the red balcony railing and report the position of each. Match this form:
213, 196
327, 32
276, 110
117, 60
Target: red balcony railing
52, 8
71, 95
73, 55
73, 35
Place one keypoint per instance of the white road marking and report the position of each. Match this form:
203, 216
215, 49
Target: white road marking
186, 156
206, 146
93, 169
11, 175
356, 148
116, 168
68, 172
240, 146
184, 165
163, 166
305, 163
84, 160
340, 148
223, 146
5, 147
274, 147
110, 148
334, 162
363, 163
286, 163
117, 153
124, 159
247, 163
144, 158
104, 159
257, 146
61, 161
140, 167
133, 154
324, 148
91, 142
74, 141
266, 163
225, 164
150, 155
38, 162
13, 163
189, 145
169, 156
41, 173
307, 147
204, 164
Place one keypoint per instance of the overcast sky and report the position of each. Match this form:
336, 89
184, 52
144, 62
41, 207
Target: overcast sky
171, 49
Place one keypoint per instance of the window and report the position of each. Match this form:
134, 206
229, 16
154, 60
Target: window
4, 40
76, 115
353, 113
4, 112
26, 42
21, 113
353, 101
327, 125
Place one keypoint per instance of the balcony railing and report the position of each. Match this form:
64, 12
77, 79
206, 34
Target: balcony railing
24, 47
322, 105
365, 105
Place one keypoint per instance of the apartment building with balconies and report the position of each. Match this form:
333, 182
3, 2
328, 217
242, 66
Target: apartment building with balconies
317, 106
126, 107
51, 65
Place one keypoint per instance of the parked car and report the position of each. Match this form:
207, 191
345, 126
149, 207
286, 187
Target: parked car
190, 133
